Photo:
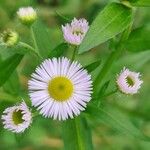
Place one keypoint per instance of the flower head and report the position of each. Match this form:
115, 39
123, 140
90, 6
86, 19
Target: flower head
17, 118
60, 88
129, 82
76, 31
10, 38
27, 15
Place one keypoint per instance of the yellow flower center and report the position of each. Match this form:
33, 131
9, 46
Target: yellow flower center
17, 117
60, 88
130, 81
77, 32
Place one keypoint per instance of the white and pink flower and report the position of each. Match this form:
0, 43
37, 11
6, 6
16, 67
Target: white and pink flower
17, 118
60, 89
129, 82
75, 32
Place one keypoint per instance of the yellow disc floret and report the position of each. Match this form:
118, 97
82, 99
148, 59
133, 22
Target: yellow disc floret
130, 81
60, 88
17, 117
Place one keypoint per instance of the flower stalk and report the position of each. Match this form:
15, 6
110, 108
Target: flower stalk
113, 56
34, 43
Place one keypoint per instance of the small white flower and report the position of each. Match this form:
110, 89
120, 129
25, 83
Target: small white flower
17, 118
129, 82
60, 88
75, 32
27, 15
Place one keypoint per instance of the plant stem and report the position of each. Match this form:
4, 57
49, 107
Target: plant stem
74, 53
110, 93
78, 131
34, 42
35, 114
25, 45
113, 56
76, 120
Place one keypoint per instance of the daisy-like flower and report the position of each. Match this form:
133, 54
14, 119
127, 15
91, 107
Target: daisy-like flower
129, 82
60, 89
27, 15
17, 118
75, 32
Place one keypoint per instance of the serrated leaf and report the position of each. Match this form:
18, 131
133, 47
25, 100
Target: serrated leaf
41, 38
140, 2
109, 22
59, 50
91, 67
139, 39
8, 66
115, 119
76, 135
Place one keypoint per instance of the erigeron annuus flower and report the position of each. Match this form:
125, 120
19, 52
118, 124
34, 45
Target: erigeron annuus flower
75, 32
9, 38
27, 15
60, 88
129, 82
17, 118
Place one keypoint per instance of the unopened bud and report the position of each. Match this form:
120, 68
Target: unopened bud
27, 15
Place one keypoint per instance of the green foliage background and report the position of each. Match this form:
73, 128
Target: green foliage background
128, 115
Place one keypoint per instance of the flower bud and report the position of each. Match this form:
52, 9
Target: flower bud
75, 32
10, 38
27, 15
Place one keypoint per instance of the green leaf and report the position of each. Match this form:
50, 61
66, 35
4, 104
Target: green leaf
76, 135
114, 118
8, 97
8, 66
41, 39
103, 89
59, 50
91, 67
61, 18
12, 85
139, 39
6, 52
109, 22
140, 2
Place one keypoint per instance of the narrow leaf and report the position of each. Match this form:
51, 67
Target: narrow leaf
59, 50
41, 39
140, 2
139, 39
103, 89
115, 119
8, 66
91, 67
109, 22
76, 135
